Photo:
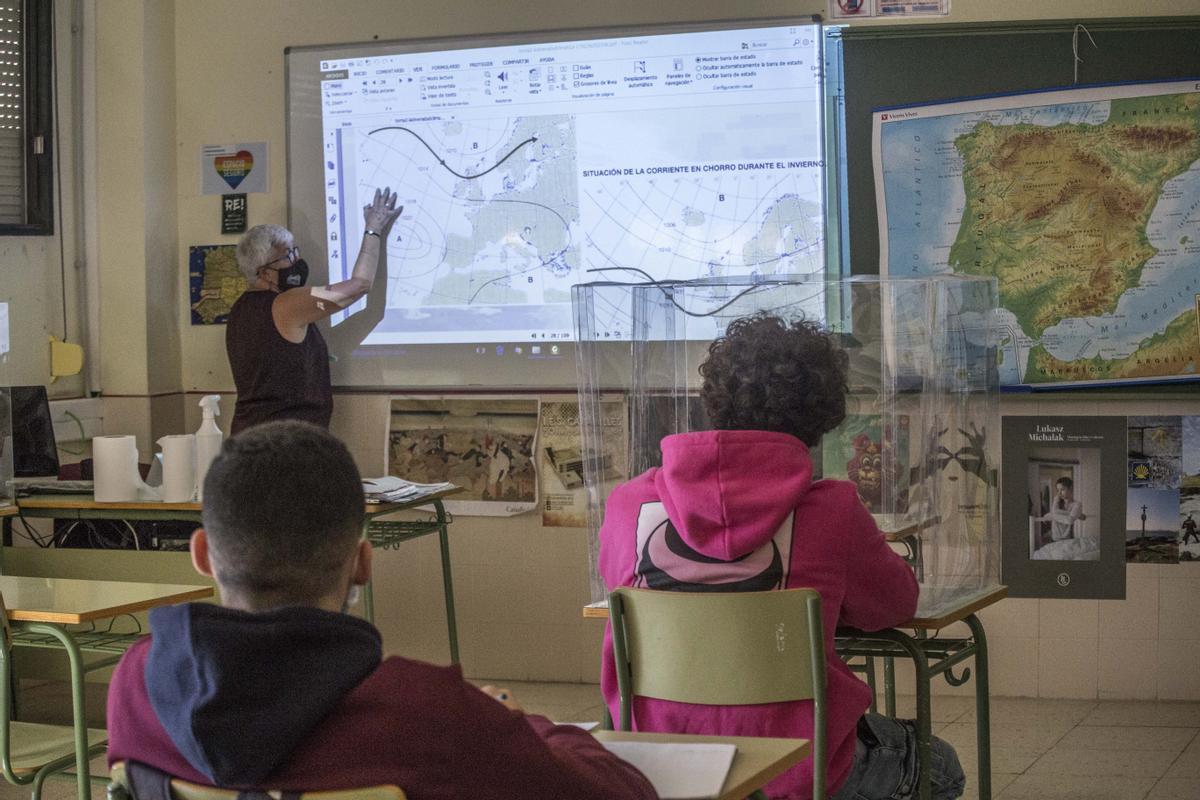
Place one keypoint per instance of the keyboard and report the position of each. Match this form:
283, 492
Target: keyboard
28, 486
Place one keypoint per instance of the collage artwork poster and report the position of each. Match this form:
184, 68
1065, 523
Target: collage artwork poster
1162, 508
484, 445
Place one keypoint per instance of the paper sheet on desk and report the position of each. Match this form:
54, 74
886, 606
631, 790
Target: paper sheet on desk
390, 489
679, 771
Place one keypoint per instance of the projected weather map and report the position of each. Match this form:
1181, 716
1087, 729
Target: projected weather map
528, 168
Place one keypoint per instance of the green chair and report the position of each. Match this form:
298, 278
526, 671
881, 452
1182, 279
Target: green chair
717, 648
31, 752
118, 789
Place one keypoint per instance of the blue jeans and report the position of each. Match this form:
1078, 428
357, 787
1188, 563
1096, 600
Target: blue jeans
885, 763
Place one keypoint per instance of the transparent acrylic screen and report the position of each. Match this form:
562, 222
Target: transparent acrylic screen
921, 436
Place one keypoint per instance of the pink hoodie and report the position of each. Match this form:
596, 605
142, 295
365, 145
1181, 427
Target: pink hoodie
739, 511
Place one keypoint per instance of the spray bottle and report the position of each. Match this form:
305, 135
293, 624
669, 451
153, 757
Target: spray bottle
208, 439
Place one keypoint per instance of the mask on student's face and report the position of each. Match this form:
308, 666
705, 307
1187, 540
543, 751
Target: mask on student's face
294, 276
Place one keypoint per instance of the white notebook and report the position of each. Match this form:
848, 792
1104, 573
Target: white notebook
679, 771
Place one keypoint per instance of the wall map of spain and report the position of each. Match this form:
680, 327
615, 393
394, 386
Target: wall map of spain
1084, 204
215, 282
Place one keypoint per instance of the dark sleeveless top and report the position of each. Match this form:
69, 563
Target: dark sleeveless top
275, 378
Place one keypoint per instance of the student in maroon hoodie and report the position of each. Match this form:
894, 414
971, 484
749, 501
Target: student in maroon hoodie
735, 509
279, 688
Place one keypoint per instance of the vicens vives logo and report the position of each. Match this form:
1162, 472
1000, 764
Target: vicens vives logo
1063, 579
780, 637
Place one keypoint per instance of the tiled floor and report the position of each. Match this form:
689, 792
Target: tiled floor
1043, 749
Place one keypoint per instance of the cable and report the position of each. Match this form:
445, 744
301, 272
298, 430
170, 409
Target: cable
31, 534
662, 287
82, 435
60, 539
57, 166
1075, 47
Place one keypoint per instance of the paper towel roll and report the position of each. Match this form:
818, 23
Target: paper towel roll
116, 469
179, 468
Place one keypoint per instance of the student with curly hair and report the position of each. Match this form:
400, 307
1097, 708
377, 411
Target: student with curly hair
736, 509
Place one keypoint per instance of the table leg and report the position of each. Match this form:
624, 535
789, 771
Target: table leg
924, 719
924, 680
368, 591
920, 565
983, 721
889, 686
79, 713
871, 683
447, 579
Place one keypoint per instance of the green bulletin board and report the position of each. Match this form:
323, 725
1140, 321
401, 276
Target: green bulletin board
872, 67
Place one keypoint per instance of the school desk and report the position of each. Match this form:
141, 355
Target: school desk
757, 762
38, 611
386, 534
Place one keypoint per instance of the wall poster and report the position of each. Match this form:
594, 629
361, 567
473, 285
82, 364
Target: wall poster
484, 445
1062, 506
560, 453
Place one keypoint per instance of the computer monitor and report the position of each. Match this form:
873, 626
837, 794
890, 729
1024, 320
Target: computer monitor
35, 454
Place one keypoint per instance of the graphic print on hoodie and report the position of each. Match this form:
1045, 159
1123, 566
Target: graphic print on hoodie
666, 562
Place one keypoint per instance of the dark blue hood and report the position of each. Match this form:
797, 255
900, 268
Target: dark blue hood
238, 691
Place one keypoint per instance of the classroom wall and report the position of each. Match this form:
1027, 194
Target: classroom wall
172, 76
1144, 647
38, 273
229, 76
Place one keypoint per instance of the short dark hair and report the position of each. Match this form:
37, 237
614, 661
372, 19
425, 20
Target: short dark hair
1065, 481
768, 374
283, 509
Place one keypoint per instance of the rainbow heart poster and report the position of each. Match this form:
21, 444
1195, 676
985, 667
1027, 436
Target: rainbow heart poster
228, 168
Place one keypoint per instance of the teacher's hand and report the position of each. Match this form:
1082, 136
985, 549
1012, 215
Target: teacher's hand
382, 211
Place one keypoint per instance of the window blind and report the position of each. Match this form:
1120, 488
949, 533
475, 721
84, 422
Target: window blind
12, 113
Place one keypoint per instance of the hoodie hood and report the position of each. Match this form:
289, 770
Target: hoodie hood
238, 691
727, 492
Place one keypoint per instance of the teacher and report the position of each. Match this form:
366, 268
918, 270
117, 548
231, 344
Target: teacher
279, 359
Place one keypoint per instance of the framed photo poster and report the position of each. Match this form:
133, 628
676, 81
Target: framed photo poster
1062, 510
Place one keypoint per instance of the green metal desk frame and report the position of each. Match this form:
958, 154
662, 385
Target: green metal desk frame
931, 656
63, 639
389, 535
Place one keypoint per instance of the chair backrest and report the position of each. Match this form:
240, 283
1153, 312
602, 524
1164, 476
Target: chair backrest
119, 789
722, 648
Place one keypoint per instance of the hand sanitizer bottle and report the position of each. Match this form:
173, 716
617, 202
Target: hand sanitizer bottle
208, 440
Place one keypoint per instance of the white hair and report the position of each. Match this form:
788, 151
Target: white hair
255, 247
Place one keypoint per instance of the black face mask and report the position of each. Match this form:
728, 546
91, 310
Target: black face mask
293, 277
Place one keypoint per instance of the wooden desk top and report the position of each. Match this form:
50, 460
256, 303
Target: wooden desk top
68, 601
757, 762
84, 502
8, 510
896, 528
956, 609
943, 615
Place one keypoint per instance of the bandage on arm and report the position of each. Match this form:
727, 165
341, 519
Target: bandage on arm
294, 310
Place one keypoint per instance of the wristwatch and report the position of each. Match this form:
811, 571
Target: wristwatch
369, 232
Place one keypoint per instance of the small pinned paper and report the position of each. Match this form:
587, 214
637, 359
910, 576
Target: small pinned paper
861, 9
